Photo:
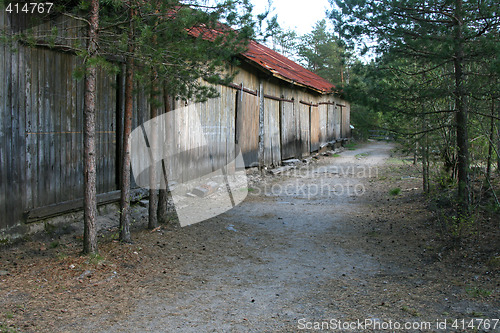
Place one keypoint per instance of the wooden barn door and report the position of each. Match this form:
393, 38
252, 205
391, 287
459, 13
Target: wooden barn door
315, 129
290, 145
331, 122
247, 127
323, 116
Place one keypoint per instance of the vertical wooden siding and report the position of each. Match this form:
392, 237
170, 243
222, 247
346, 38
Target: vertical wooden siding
331, 122
315, 128
347, 120
323, 124
305, 127
272, 144
12, 134
288, 123
338, 121
41, 121
54, 130
247, 126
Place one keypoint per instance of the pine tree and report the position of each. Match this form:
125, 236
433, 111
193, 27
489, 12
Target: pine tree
435, 35
324, 54
90, 168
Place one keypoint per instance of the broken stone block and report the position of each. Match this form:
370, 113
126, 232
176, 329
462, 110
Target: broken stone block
206, 189
291, 161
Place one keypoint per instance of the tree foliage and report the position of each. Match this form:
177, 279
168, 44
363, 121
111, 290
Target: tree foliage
437, 69
325, 54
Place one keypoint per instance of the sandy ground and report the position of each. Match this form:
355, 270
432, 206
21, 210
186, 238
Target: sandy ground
321, 247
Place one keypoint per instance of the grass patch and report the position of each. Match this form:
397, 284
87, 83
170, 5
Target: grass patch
411, 311
361, 155
476, 314
396, 161
336, 155
61, 256
54, 244
6, 329
477, 292
95, 259
395, 191
373, 234
351, 146
5, 241
494, 262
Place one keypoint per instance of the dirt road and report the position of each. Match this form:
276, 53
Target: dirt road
322, 246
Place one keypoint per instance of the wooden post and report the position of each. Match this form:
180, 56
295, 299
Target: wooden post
261, 125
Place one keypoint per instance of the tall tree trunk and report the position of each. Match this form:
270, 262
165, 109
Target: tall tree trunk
163, 193
153, 145
498, 140
425, 154
491, 141
461, 113
90, 169
127, 129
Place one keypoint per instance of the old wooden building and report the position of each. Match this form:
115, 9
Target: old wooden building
273, 99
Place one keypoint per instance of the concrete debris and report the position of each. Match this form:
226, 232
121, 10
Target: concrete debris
87, 273
206, 189
291, 161
144, 203
281, 169
231, 228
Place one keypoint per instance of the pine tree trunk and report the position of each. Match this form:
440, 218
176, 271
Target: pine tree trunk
425, 155
498, 140
127, 129
153, 140
461, 114
90, 169
491, 141
163, 193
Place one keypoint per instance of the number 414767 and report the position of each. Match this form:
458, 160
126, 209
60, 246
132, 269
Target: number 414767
29, 8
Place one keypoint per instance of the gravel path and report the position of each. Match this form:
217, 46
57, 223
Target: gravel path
289, 258
323, 247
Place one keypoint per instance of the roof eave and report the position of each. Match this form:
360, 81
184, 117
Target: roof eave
281, 77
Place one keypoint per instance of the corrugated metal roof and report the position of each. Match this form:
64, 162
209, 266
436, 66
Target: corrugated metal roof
273, 62
283, 68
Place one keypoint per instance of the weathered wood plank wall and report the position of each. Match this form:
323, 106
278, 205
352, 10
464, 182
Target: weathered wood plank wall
315, 127
330, 127
289, 121
247, 126
305, 129
41, 121
323, 124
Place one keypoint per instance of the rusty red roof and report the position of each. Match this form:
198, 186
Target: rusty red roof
271, 61
284, 68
